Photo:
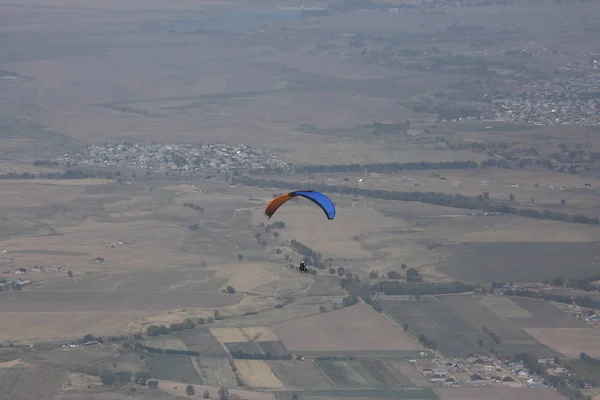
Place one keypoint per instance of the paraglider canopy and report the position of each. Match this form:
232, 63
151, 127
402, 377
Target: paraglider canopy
318, 198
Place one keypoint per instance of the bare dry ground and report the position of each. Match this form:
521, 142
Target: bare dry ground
352, 329
177, 389
498, 394
569, 341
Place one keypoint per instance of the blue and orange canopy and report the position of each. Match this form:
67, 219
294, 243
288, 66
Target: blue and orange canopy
318, 198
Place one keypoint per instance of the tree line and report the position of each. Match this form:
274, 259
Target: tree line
149, 349
241, 355
582, 301
386, 168
458, 200
586, 283
68, 174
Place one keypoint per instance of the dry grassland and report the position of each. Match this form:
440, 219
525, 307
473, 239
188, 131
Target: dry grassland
17, 383
504, 307
34, 194
228, 335
498, 394
260, 334
44, 326
355, 328
258, 374
568, 341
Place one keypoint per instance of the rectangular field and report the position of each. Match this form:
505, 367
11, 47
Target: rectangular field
347, 373
216, 372
299, 374
504, 307
257, 374
168, 343
202, 341
385, 372
177, 368
273, 348
260, 334
351, 329
569, 341
229, 335
546, 315
246, 347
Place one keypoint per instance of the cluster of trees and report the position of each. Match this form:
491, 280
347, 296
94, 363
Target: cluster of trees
241, 355
426, 342
188, 323
582, 301
566, 385
194, 207
439, 199
586, 283
491, 334
46, 163
122, 378
68, 174
310, 257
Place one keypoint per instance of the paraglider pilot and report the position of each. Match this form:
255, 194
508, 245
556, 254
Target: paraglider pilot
303, 269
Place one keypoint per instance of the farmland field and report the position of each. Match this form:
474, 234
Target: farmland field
229, 335
299, 374
202, 341
372, 393
455, 324
178, 368
259, 334
504, 307
246, 347
169, 343
546, 315
518, 262
385, 372
346, 373
351, 329
475, 310
216, 372
274, 348
16, 382
498, 394
569, 341
258, 374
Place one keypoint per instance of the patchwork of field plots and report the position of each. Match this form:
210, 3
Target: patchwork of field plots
202, 341
351, 329
178, 368
258, 374
299, 374
364, 373
455, 324
216, 371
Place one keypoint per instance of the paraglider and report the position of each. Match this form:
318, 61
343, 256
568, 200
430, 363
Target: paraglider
318, 198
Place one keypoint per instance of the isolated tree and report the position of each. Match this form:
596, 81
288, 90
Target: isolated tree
332, 271
405, 327
511, 197
403, 266
322, 308
257, 235
217, 315
206, 394
106, 377
223, 393
480, 343
393, 275
373, 275
189, 390
230, 289
239, 257
70, 273
412, 275
341, 271
563, 201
